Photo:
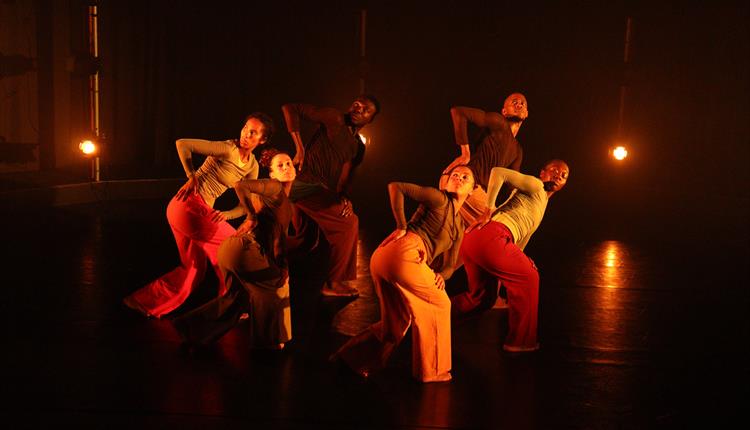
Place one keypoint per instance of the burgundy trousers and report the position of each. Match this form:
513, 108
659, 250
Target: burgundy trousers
489, 256
341, 232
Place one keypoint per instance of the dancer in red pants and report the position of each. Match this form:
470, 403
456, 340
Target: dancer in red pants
492, 251
199, 229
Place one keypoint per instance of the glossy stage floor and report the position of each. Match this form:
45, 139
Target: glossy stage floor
637, 332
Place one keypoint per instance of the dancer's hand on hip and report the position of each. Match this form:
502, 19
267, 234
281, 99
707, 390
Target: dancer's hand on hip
481, 221
218, 216
246, 226
439, 281
190, 187
348, 209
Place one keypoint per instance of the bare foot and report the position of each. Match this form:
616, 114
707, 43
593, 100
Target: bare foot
338, 289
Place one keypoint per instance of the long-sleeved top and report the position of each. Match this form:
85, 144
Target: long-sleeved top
266, 200
221, 169
436, 221
333, 151
523, 213
496, 146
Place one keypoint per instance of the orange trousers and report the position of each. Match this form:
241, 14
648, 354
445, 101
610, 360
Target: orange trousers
408, 296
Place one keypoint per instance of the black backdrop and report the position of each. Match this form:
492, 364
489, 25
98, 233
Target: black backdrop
174, 70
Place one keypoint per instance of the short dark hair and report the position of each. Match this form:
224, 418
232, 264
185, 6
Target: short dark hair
267, 121
371, 98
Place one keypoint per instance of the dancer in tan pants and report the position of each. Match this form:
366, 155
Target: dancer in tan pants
411, 294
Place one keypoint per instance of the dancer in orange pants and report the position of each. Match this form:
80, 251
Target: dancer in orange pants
411, 294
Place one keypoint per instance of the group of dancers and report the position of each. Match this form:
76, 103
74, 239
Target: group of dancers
458, 223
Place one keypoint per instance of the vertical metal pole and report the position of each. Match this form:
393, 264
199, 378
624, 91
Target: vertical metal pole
94, 86
94, 78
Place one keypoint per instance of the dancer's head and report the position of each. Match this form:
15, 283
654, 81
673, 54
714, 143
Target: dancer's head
258, 130
515, 108
554, 174
363, 110
279, 165
460, 181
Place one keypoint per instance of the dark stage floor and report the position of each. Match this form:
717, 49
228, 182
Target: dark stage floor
637, 332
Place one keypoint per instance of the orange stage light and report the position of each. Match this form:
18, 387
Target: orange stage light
620, 153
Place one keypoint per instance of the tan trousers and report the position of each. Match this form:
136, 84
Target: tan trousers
408, 297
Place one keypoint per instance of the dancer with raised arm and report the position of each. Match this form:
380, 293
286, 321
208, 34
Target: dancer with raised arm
327, 164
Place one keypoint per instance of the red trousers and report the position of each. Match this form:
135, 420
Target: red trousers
198, 239
489, 256
342, 233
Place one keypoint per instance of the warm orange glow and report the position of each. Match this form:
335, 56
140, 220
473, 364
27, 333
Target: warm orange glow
620, 153
87, 147
364, 139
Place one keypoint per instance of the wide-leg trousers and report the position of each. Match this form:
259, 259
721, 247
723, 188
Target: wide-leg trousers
489, 255
324, 207
255, 285
409, 297
198, 238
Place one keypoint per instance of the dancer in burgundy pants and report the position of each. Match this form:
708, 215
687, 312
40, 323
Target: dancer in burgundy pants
492, 251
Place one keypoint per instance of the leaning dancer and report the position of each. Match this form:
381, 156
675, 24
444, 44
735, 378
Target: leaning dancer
199, 229
496, 147
492, 251
254, 265
327, 163
410, 292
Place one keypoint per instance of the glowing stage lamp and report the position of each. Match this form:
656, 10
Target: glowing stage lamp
90, 149
87, 147
620, 153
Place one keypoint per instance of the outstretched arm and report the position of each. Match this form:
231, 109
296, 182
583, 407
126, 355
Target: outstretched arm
526, 184
245, 190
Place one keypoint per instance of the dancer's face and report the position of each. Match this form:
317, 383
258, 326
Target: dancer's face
282, 169
252, 134
515, 107
460, 181
555, 175
361, 112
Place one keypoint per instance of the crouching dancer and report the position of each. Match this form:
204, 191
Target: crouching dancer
253, 263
